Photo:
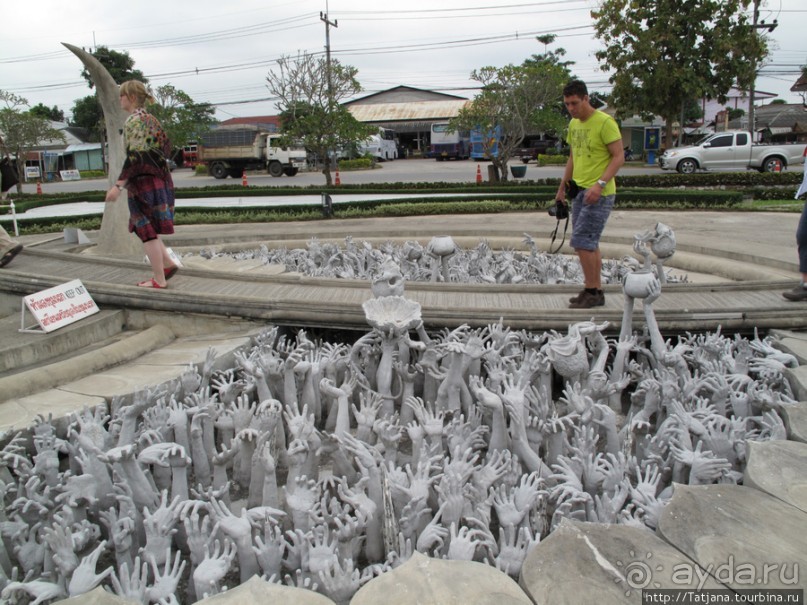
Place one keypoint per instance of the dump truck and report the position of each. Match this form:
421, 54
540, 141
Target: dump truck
231, 151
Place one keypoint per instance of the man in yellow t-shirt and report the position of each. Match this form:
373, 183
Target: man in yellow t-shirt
595, 156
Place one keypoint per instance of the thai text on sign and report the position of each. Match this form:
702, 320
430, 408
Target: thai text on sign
61, 305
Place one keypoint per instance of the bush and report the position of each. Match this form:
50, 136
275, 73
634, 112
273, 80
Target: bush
712, 179
552, 159
200, 170
92, 174
357, 164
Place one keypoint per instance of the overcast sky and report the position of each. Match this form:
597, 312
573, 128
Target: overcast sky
220, 52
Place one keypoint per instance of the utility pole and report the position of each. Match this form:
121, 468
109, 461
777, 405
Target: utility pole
328, 24
756, 25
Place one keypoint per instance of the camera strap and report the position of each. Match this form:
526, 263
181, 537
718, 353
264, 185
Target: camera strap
555, 234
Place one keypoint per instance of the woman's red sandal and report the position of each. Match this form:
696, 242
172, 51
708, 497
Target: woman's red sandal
151, 283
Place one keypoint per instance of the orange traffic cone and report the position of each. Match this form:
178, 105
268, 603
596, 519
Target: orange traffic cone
244, 178
478, 175
337, 181
777, 167
39, 187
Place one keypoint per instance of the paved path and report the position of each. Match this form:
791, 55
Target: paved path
740, 263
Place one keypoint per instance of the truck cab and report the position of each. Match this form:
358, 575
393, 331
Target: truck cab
282, 159
722, 151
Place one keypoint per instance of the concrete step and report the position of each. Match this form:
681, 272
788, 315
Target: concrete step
149, 351
132, 345
21, 350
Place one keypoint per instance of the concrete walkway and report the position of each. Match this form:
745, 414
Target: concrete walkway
738, 264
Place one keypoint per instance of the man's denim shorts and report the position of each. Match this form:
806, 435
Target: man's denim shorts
588, 221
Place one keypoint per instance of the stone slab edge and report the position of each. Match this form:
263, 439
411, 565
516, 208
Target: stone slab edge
40, 379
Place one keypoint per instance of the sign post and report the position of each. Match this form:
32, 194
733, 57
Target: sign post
57, 307
652, 142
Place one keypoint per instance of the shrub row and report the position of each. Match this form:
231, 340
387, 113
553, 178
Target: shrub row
551, 159
402, 207
758, 186
357, 164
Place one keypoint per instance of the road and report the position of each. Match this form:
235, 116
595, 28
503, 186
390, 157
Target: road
399, 171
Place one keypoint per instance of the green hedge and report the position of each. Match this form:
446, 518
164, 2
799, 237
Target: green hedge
773, 193
518, 192
357, 164
702, 186
407, 207
712, 179
552, 160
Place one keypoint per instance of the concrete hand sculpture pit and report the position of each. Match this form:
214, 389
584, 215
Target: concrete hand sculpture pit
320, 465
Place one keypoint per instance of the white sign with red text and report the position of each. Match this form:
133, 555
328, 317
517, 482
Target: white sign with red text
59, 306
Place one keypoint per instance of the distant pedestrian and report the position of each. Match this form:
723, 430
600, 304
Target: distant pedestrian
799, 293
147, 179
595, 156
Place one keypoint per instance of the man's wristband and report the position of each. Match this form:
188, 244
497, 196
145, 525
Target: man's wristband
602, 183
120, 187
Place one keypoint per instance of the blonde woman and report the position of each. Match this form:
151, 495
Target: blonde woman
147, 179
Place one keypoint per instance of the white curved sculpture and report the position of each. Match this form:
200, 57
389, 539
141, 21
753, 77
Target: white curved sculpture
114, 238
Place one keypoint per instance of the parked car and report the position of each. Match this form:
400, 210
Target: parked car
534, 148
731, 150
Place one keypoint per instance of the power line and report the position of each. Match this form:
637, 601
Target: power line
460, 9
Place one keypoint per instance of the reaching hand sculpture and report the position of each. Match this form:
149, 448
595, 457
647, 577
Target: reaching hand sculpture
645, 285
472, 458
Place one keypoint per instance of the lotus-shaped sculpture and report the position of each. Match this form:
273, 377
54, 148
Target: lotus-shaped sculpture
394, 313
641, 284
442, 245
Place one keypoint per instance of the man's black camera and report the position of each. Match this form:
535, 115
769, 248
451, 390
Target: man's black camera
560, 210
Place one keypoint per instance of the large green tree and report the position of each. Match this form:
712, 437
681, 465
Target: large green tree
519, 100
310, 99
22, 131
182, 119
49, 113
664, 53
87, 114
119, 65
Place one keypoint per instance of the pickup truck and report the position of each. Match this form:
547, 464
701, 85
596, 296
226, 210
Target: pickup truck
534, 148
731, 150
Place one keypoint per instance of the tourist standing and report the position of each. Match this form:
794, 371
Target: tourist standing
595, 156
147, 179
